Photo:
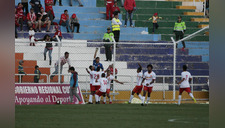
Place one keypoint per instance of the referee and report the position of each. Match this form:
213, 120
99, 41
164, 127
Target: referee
116, 27
179, 29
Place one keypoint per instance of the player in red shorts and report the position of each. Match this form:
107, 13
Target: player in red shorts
149, 78
184, 84
110, 77
96, 83
102, 91
138, 87
92, 68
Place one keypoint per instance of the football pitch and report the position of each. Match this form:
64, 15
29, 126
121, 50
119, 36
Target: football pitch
112, 116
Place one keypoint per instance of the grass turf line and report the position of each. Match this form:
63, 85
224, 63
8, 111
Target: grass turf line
112, 116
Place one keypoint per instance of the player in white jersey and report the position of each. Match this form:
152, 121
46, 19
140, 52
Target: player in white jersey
110, 77
92, 68
102, 90
148, 79
184, 84
138, 87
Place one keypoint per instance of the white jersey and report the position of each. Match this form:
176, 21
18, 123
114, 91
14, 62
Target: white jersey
185, 75
91, 77
109, 78
63, 61
148, 78
139, 78
103, 83
96, 78
31, 32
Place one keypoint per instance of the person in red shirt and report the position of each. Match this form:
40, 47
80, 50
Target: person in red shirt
57, 33
20, 15
115, 9
43, 20
64, 20
49, 9
109, 8
31, 20
130, 7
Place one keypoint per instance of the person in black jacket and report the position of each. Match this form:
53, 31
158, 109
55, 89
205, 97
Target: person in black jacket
48, 47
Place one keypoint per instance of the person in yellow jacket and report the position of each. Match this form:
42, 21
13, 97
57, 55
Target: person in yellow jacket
108, 47
154, 19
179, 30
116, 27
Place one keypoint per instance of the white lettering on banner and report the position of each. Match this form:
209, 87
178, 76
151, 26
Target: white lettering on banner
62, 99
66, 89
48, 99
26, 90
29, 100
49, 90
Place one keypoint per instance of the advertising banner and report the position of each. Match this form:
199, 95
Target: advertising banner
33, 94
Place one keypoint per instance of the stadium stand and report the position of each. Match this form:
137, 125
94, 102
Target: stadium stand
93, 27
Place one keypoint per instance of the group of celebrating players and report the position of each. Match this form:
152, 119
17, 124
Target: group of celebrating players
100, 84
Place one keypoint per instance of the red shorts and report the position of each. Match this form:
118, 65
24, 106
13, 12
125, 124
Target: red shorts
148, 89
188, 90
137, 89
90, 86
96, 87
99, 93
107, 91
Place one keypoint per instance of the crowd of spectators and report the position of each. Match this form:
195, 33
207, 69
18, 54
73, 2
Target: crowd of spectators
38, 17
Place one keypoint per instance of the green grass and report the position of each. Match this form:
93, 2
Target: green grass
112, 116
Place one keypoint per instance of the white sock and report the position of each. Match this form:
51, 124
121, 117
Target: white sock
179, 99
96, 98
90, 98
148, 99
110, 100
143, 99
104, 99
191, 95
140, 96
131, 97
99, 98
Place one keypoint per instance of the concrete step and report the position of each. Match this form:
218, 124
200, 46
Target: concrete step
194, 13
185, 7
200, 19
202, 25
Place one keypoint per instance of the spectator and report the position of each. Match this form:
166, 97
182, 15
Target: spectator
43, 20
31, 20
20, 15
36, 5
63, 60
31, 36
38, 72
20, 70
79, 1
96, 61
109, 8
108, 47
64, 20
48, 48
16, 23
49, 9
74, 22
179, 30
60, 2
116, 9
154, 19
130, 7
25, 5
57, 33
116, 27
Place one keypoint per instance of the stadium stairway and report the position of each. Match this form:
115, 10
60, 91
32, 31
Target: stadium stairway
93, 24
